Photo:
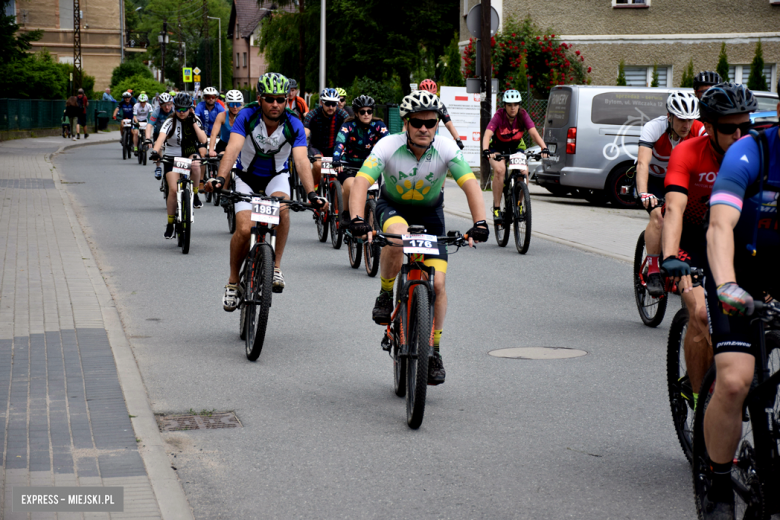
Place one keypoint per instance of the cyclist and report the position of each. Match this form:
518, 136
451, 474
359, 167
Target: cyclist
224, 122
703, 81
743, 247
693, 168
343, 102
657, 139
355, 141
183, 136
208, 109
263, 140
429, 85
156, 119
413, 166
126, 106
322, 125
141, 112
504, 134
296, 103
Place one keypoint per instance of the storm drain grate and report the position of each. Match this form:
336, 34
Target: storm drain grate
177, 423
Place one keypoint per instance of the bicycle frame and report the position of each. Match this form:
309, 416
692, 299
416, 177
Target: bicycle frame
411, 275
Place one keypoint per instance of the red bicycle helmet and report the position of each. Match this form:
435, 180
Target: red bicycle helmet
429, 85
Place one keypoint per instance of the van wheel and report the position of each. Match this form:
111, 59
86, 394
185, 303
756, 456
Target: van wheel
617, 178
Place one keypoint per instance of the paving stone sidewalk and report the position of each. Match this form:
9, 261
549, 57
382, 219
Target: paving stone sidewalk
65, 416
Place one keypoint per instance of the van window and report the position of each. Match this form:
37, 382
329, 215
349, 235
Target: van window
619, 108
558, 108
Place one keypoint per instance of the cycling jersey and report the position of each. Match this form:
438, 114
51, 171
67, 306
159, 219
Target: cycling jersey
298, 105
324, 129
355, 141
408, 181
157, 118
656, 135
208, 116
224, 131
126, 110
445, 116
506, 137
262, 156
141, 113
181, 139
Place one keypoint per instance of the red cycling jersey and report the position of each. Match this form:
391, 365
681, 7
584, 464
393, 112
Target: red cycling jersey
655, 135
693, 167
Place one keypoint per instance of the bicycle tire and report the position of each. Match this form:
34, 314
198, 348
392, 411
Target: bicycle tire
418, 335
371, 252
321, 216
751, 501
522, 217
651, 310
678, 384
501, 226
140, 157
186, 220
399, 363
124, 149
243, 288
262, 287
355, 250
334, 214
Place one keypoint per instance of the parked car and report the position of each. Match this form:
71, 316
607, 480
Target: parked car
767, 101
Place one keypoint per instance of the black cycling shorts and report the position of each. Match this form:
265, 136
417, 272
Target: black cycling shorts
348, 174
432, 218
758, 276
693, 250
324, 153
655, 186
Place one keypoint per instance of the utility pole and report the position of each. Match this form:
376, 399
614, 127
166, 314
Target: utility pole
219, 41
76, 46
487, 86
163, 39
122, 31
322, 46
301, 63
206, 45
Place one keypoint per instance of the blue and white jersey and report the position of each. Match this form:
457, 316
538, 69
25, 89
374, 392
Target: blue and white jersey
208, 116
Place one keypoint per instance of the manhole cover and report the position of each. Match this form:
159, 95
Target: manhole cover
537, 353
176, 423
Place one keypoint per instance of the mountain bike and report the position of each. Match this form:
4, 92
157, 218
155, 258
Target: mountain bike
357, 247
677, 382
143, 143
515, 205
755, 473
651, 308
127, 139
409, 335
255, 286
330, 188
296, 187
210, 172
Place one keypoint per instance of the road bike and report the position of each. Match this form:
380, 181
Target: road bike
127, 139
409, 335
755, 473
143, 143
330, 188
357, 247
255, 286
651, 308
678, 383
515, 205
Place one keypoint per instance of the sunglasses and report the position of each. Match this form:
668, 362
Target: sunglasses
365, 112
271, 99
182, 110
427, 123
731, 128
209, 98
329, 103
342, 99
234, 105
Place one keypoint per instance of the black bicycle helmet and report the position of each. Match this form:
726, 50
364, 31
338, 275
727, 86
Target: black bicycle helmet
363, 102
182, 100
293, 84
706, 78
725, 99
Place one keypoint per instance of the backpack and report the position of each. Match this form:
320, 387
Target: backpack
288, 132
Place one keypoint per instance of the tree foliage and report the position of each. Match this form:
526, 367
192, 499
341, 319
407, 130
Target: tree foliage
138, 83
654, 83
129, 69
723, 63
757, 81
453, 63
687, 76
621, 79
382, 92
15, 46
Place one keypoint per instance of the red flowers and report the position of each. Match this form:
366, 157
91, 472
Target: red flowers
577, 53
589, 69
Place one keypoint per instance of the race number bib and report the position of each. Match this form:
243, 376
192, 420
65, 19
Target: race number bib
327, 166
127, 122
142, 125
182, 165
421, 244
518, 161
374, 187
265, 210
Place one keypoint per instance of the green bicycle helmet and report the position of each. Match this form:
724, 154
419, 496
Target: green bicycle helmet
273, 83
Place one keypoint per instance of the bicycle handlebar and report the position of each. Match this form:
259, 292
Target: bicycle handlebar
697, 275
237, 197
529, 155
768, 311
454, 238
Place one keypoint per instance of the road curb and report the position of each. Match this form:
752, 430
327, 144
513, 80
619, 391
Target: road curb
77, 144
167, 487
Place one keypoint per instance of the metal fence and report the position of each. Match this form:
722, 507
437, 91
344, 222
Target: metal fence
31, 114
537, 109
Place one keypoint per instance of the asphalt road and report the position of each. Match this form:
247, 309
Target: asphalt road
323, 434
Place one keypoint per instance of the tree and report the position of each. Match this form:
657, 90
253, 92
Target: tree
453, 76
15, 46
33, 77
687, 76
128, 70
137, 83
655, 76
621, 79
723, 63
757, 81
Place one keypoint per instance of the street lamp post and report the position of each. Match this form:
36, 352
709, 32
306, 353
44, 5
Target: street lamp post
322, 46
219, 40
163, 39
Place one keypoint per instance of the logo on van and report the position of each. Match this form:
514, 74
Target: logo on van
613, 150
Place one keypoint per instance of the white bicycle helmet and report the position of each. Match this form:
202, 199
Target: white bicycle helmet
210, 91
329, 94
234, 96
512, 96
165, 98
419, 101
127, 94
143, 98
683, 105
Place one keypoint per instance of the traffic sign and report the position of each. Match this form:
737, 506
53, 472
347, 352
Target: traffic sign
196, 77
474, 21
187, 74
196, 87
196, 71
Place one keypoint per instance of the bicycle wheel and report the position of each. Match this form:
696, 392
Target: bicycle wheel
124, 149
260, 291
501, 226
321, 216
399, 362
207, 175
651, 309
371, 251
522, 224
334, 214
242, 288
144, 155
750, 493
418, 328
355, 251
678, 384
186, 220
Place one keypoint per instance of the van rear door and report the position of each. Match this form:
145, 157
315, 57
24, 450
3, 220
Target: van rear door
560, 118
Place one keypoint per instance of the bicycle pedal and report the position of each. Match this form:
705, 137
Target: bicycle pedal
387, 344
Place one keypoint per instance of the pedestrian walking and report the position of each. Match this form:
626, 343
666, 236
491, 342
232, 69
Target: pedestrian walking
72, 113
83, 103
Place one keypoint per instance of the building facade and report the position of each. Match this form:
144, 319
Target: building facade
101, 32
644, 33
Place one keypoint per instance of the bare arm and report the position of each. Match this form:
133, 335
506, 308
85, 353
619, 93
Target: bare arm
536, 137
474, 198
673, 223
643, 168
486, 137
231, 154
201, 135
357, 197
451, 127
720, 243
215, 129
302, 166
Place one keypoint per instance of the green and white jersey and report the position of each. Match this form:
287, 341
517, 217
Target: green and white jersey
408, 181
